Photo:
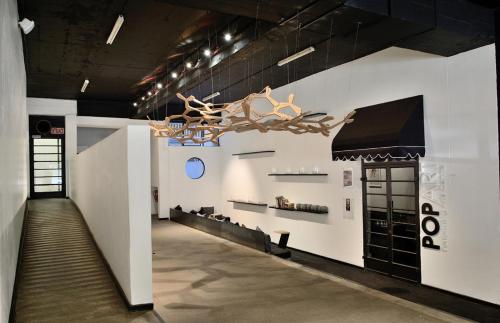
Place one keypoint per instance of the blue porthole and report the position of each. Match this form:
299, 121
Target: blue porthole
195, 168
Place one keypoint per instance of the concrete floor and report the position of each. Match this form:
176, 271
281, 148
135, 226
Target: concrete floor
201, 278
197, 278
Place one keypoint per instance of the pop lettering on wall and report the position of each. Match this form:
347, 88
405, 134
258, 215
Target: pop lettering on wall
433, 214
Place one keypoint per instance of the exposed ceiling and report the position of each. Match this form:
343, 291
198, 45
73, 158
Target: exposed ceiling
68, 43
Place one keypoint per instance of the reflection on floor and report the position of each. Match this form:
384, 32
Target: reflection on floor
201, 278
63, 278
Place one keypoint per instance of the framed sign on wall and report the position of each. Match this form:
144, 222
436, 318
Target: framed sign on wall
348, 177
374, 174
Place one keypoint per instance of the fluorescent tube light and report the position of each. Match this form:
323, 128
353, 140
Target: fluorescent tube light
295, 56
115, 30
211, 96
84, 86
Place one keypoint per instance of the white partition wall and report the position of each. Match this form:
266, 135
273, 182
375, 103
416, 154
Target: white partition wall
111, 186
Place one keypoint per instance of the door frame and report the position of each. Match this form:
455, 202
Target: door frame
59, 121
387, 165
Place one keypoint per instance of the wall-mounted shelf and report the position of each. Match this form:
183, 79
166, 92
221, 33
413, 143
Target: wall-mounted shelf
297, 174
313, 115
249, 203
295, 210
255, 152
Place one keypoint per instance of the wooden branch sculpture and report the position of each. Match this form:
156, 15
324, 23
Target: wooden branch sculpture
240, 116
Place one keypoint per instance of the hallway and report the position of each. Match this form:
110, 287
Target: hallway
63, 278
200, 278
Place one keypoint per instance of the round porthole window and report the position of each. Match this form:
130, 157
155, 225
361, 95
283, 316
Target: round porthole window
195, 168
43, 127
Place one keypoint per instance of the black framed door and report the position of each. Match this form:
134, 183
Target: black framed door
391, 219
47, 154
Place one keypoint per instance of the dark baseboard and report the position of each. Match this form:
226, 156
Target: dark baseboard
439, 290
326, 258
12, 314
130, 307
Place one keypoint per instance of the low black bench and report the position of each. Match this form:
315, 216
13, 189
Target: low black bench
251, 238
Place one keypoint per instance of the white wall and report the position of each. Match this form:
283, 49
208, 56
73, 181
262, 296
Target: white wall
461, 119
51, 107
111, 186
13, 141
463, 138
87, 137
176, 188
113, 123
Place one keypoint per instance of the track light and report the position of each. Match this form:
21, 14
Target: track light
228, 37
134, 104
211, 96
174, 75
207, 52
84, 86
189, 65
159, 85
295, 56
27, 25
115, 30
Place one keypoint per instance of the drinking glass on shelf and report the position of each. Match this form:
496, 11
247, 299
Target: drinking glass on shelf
316, 170
302, 170
274, 170
289, 170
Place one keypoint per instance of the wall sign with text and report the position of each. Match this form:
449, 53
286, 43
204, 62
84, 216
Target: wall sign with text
433, 207
57, 131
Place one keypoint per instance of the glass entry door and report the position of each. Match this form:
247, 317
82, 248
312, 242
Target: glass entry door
391, 221
47, 157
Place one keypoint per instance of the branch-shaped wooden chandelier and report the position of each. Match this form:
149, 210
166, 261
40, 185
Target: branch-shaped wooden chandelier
240, 116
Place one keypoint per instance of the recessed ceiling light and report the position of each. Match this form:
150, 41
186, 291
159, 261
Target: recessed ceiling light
174, 75
84, 85
207, 52
189, 65
115, 30
150, 93
143, 98
227, 37
159, 85
134, 104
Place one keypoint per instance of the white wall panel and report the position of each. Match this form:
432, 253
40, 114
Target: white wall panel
14, 145
111, 186
176, 188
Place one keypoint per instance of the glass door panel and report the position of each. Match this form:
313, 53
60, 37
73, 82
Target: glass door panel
47, 160
391, 219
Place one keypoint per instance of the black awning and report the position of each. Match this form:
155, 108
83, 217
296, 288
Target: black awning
392, 129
